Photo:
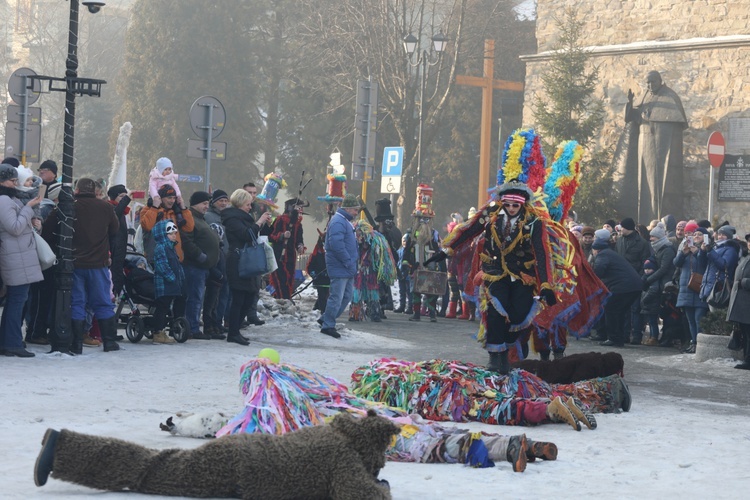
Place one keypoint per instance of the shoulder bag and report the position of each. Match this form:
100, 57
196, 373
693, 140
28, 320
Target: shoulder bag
695, 281
45, 254
720, 293
252, 259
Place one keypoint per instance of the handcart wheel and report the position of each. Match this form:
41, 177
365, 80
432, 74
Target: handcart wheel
180, 329
134, 329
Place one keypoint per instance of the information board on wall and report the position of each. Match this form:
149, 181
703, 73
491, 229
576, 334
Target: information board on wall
738, 138
734, 178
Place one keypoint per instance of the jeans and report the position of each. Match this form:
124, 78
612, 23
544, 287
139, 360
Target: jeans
694, 315
340, 294
10, 325
195, 283
92, 288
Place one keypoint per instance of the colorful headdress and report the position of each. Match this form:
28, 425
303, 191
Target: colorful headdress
523, 160
270, 191
336, 189
563, 179
423, 205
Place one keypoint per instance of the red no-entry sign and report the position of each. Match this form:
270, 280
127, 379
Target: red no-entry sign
716, 146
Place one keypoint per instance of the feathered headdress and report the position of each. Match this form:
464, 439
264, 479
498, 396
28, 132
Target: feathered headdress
563, 179
523, 160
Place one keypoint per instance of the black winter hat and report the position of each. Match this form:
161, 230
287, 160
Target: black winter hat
49, 165
166, 190
219, 194
199, 197
116, 191
628, 223
12, 161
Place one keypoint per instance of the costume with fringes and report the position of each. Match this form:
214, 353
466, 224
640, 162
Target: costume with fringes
285, 251
376, 265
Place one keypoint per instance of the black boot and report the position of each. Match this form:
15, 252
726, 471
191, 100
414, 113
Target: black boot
108, 328
499, 363
544, 355
46, 457
745, 365
77, 326
417, 313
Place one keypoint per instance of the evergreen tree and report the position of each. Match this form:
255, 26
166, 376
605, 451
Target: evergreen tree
569, 110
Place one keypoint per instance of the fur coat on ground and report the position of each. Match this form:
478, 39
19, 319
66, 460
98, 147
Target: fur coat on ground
575, 367
337, 461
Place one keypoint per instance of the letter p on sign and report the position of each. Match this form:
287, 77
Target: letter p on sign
393, 159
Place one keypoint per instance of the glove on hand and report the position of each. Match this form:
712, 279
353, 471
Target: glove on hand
548, 296
439, 256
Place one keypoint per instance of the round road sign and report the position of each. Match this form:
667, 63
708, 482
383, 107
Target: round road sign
716, 146
199, 117
16, 88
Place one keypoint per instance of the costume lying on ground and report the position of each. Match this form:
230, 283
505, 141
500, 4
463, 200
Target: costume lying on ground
285, 249
375, 266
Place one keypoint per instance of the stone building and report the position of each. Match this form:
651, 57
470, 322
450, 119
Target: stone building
702, 50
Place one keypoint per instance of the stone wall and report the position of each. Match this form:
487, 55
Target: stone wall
702, 50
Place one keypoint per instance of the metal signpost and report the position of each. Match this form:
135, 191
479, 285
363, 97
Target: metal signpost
18, 136
207, 119
716, 150
365, 126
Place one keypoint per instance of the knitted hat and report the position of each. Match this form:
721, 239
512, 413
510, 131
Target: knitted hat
49, 165
681, 224
199, 197
704, 223
628, 223
116, 191
727, 231
690, 227
701, 230
12, 161
600, 244
166, 190
611, 223
86, 185
7, 172
602, 234
23, 175
350, 201
163, 163
658, 232
650, 264
219, 194
588, 230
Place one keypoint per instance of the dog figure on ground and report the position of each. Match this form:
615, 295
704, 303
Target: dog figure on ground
339, 461
575, 367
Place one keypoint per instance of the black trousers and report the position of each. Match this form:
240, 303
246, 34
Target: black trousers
517, 299
615, 312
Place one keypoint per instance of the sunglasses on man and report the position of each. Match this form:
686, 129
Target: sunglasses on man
511, 205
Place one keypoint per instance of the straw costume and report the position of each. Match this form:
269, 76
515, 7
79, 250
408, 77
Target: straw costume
375, 266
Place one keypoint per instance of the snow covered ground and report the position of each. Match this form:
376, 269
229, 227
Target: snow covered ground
665, 447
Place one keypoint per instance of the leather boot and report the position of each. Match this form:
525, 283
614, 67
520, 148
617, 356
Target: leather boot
451, 314
465, 311
544, 355
77, 327
745, 365
472, 309
499, 363
108, 327
417, 313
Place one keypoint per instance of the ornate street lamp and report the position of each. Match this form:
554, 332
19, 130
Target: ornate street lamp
426, 58
72, 85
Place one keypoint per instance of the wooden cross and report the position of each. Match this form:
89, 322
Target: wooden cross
488, 84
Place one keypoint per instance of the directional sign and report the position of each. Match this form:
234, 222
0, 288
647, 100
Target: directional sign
390, 185
190, 178
393, 160
716, 147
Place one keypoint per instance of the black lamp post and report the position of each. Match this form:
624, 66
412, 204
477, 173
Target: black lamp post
425, 58
72, 85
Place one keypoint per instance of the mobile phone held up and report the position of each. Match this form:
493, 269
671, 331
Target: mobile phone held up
706, 239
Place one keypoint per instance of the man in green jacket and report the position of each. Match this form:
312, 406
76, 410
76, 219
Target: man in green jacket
201, 247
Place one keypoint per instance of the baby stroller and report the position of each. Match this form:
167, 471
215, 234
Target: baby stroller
139, 291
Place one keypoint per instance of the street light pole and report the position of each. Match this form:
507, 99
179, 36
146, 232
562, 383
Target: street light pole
424, 57
73, 85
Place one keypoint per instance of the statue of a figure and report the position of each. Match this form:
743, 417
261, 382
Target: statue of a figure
659, 120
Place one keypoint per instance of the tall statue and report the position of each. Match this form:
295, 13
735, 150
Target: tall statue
659, 119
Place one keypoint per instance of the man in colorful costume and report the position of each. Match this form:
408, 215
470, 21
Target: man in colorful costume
286, 239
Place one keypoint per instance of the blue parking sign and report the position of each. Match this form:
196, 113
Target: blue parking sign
393, 159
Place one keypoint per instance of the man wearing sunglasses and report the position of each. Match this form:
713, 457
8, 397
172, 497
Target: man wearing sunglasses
515, 268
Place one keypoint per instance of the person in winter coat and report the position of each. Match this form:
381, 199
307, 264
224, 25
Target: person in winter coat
219, 313
342, 254
664, 254
636, 250
687, 263
738, 302
119, 199
19, 264
241, 228
651, 301
201, 247
170, 208
720, 260
625, 285
161, 175
169, 278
